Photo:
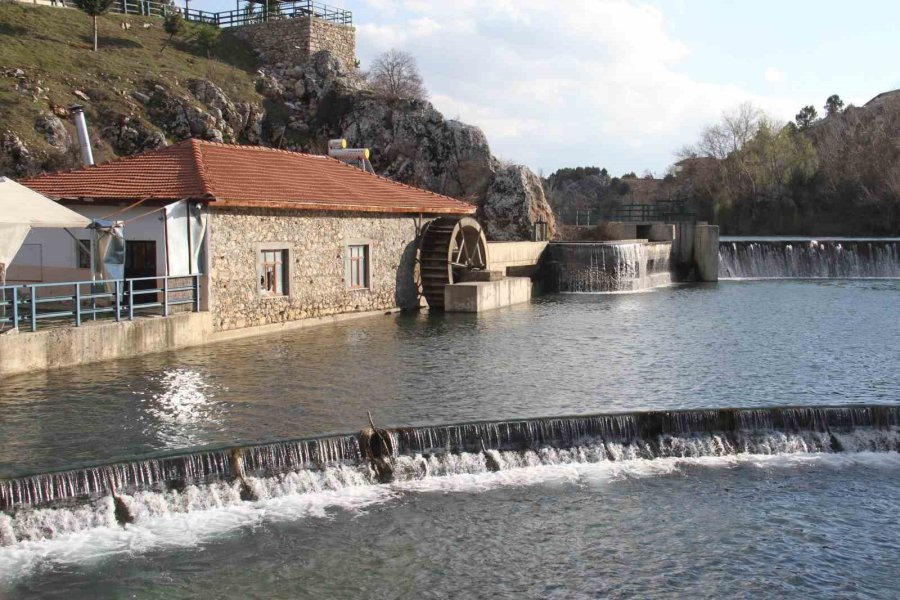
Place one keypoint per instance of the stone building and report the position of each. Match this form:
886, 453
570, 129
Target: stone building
286, 236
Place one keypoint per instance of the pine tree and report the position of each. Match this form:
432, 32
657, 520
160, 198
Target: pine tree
94, 8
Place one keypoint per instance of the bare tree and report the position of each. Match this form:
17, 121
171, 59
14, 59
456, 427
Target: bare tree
736, 128
395, 74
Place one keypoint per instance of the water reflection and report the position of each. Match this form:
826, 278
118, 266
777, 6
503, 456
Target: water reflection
181, 409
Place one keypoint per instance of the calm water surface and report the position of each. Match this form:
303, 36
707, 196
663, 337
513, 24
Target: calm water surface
731, 344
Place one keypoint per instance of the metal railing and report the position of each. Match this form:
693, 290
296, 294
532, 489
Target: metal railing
250, 14
78, 301
264, 13
666, 212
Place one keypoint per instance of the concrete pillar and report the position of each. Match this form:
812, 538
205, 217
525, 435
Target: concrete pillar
683, 248
706, 252
206, 289
661, 232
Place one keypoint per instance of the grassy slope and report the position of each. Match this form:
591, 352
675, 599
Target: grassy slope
53, 47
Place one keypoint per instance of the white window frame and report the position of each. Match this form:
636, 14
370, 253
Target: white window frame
349, 259
285, 271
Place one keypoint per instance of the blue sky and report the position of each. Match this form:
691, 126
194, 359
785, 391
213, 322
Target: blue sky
625, 83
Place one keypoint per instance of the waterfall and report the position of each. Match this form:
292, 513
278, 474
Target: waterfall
320, 463
608, 267
178, 471
839, 258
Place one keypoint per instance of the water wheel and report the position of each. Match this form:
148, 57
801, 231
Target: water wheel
450, 247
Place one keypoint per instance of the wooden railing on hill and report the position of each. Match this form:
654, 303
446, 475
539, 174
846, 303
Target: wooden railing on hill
252, 13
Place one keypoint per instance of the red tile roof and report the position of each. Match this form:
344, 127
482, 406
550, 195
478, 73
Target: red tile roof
242, 176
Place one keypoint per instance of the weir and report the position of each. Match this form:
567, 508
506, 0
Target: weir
607, 266
420, 451
809, 259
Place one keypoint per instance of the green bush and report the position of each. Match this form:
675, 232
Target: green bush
206, 37
174, 24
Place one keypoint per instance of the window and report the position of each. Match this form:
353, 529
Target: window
358, 267
273, 273
83, 254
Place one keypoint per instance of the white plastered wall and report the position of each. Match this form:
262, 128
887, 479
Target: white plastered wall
49, 255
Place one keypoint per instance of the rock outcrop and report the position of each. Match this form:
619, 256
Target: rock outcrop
15, 157
207, 114
128, 135
411, 141
514, 203
53, 130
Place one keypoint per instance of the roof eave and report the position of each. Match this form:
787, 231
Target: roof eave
341, 207
124, 200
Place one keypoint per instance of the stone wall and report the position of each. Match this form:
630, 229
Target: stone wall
295, 41
316, 243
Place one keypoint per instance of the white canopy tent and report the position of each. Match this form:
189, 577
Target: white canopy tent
20, 210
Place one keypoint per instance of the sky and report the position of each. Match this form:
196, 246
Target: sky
624, 84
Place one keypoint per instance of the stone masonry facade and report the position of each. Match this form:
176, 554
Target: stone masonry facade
316, 244
295, 41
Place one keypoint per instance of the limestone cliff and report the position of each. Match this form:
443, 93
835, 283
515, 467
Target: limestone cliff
514, 203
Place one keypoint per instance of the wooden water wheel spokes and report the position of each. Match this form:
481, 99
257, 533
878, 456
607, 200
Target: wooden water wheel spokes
468, 252
449, 247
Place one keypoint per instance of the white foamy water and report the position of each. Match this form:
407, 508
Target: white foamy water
809, 259
610, 267
89, 534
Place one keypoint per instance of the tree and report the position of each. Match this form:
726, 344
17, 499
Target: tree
806, 117
395, 75
207, 37
718, 140
745, 159
173, 24
834, 105
94, 8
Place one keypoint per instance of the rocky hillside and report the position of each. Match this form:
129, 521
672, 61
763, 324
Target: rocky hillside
143, 90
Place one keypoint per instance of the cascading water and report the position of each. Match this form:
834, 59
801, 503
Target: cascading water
176, 472
52, 504
607, 267
798, 259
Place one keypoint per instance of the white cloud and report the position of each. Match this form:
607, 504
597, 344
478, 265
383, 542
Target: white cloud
773, 75
556, 84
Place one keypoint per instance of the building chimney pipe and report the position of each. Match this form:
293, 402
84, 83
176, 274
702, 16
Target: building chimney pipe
84, 139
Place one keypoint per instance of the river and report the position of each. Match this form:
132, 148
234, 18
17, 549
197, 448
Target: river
786, 521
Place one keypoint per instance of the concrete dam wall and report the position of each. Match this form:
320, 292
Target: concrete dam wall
591, 267
809, 259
